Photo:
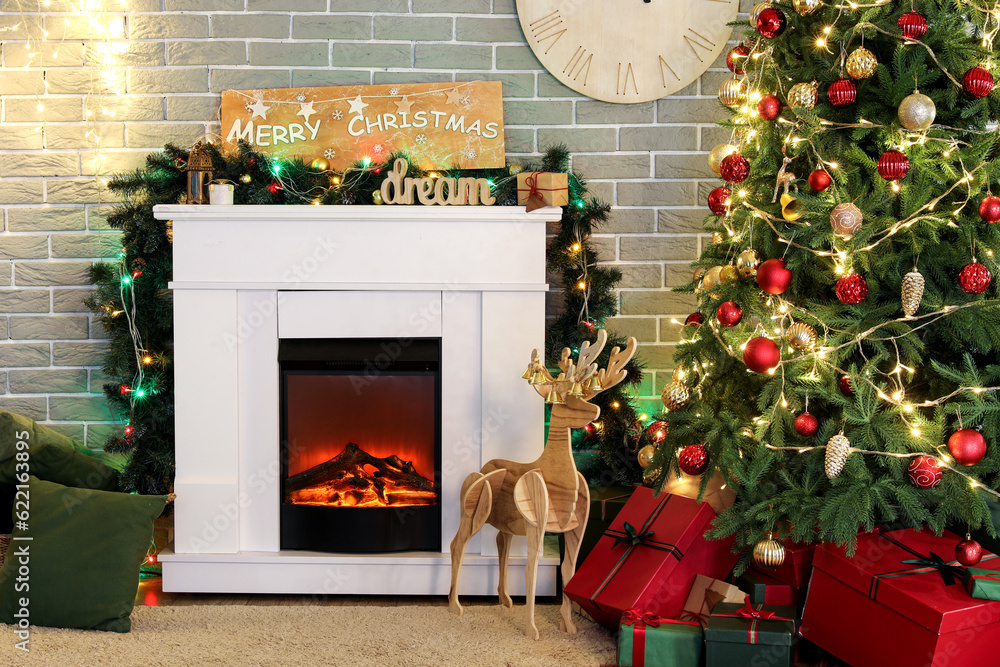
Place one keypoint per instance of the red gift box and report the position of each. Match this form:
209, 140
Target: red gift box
796, 567
765, 589
890, 605
648, 558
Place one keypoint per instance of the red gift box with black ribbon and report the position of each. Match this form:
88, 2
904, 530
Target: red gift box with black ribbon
898, 601
648, 559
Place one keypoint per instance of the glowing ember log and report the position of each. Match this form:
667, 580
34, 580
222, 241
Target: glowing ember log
355, 478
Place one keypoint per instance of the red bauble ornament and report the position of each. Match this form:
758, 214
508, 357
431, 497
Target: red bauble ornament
893, 165
657, 431
693, 459
968, 552
729, 313
773, 277
694, 319
761, 354
924, 472
819, 180
842, 93
844, 383
771, 22
737, 55
806, 425
852, 288
968, 446
734, 168
769, 107
718, 200
978, 82
974, 278
912, 24
989, 209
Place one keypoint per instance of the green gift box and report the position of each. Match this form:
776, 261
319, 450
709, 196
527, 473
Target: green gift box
644, 640
747, 634
982, 584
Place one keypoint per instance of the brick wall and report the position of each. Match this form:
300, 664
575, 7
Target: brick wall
649, 160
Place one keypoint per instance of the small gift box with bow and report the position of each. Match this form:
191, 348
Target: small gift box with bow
648, 559
763, 589
542, 188
646, 640
705, 594
749, 634
897, 601
982, 584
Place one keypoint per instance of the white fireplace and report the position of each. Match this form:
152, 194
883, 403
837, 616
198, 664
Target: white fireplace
246, 277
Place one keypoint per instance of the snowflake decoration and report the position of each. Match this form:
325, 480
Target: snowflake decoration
394, 91
471, 154
248, 107
466, 100
338, 114
329, 153
377, 148
421, 139
300, 98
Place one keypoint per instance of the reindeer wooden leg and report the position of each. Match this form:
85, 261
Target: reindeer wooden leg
503, 548
477, 500
532, 501
573, 539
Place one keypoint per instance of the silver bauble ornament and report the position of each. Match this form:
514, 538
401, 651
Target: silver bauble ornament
917, 112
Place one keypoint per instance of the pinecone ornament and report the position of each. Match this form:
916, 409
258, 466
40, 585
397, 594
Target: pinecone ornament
913, 291
837, 449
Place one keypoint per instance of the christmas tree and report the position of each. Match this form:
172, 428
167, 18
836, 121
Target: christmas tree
841, 369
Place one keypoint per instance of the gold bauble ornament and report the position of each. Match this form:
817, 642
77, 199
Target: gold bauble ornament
712, 278
321, 164
245, 178
679, 375
861, 63
806, 7
646, 456
846, 219
377, 196
913, 291
917, 112
170, 231
755, 12
837, 449
716, 238
747, 263
675, 395
731, 92
649, 477
769, 553
789, 208
717, 155
801, 336
515, 169
803, 96
728, 274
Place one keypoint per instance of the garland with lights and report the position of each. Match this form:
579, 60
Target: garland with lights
840, 371
133, 304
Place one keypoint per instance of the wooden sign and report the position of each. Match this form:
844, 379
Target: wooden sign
440, 125
441, 190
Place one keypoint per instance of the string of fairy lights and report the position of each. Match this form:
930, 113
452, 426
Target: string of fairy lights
746, 93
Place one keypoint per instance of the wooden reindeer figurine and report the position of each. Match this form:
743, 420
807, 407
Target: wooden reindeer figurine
548, 494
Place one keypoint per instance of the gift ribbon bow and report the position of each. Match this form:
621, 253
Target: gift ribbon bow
929, 563
635, 537
755, 615
639, 620
534, 199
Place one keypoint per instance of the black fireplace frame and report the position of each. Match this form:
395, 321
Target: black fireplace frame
360, 529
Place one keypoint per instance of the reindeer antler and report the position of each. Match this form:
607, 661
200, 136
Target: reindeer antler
615, 372
575, 375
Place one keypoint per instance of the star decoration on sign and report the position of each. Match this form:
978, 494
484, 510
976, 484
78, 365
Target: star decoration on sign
404, 105
454, 97
259, 110
357, 106
306, 110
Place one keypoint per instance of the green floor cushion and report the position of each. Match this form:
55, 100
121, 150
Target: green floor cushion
16, 428
62, 465
83, 559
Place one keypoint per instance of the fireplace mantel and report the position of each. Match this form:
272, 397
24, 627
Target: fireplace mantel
247, 276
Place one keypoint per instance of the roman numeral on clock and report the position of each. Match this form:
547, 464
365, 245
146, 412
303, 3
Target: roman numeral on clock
624, 75
701, 41
664, 66
579, 64
547, 28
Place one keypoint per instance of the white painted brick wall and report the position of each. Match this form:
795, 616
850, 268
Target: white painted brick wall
649, 160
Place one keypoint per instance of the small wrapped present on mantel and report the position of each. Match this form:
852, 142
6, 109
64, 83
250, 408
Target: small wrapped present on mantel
897, 602
648, 559
749, 634
646, 640
536, 189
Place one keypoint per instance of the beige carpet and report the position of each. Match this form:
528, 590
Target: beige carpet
490, 636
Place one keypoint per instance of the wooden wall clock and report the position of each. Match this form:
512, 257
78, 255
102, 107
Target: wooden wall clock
627, 51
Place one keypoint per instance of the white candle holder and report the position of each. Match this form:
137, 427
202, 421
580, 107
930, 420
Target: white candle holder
220, 194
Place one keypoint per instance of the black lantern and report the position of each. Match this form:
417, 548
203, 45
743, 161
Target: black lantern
199, 175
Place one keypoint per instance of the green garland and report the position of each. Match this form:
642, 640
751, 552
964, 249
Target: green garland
133, 303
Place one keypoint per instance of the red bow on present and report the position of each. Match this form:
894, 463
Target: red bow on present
534, 196
640, 619
749, 612
633, 615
